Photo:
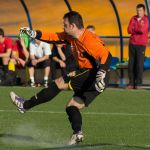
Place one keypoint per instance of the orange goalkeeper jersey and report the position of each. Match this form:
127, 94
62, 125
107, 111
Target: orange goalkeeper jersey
87, 42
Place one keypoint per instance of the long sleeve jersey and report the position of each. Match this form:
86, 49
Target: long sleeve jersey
87, 42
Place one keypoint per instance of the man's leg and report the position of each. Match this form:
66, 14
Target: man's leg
74, 115
43, 96
31, 74
84, 86
140, 53
75, 118
46, 76
5, 64
131, 65
53, 70
46, 65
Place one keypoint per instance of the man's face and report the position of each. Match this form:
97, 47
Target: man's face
91, 30
37, 41
1, 38
68, 28
140, 12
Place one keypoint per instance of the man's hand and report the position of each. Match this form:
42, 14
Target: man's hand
62, 64
34, 62
100, 83
22, 42
28, 31
71, 74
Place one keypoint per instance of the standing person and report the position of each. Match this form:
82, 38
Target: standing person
5, 50
39, 58
90, 80
138, 28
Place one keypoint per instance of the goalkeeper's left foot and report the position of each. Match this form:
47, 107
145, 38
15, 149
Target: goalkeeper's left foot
18, 101
76, 138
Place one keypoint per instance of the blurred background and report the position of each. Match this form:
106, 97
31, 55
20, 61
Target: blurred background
47, 15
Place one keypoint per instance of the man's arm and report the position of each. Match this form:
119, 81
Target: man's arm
131, 27
42, 58
43, 35
32, 57
95, 48
7, 54
142, 27
48, 36
25, 51
60, 52
61, 62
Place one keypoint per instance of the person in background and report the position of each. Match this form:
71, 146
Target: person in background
39, 58
62, 58
138, 28
5, 50
20, 52
91, 28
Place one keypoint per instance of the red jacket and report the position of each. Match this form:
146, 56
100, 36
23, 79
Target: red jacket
138, 30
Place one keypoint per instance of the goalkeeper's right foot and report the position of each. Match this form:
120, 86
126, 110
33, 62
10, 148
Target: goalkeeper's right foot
76, 138
18, 101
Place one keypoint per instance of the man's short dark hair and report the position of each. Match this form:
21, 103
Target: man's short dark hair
1, 32
74, 17
90, 27
141, 6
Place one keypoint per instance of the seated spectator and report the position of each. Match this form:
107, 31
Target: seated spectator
91, 28
20, 52
39, 58
5, 50
62, 58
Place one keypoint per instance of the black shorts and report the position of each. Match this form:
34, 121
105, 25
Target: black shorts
42, 64
83, 85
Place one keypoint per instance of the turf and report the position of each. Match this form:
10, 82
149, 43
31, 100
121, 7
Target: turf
116, 120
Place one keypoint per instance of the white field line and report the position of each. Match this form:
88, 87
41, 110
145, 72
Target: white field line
85, 113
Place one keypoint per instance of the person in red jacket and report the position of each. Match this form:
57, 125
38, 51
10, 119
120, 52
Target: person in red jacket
138, 28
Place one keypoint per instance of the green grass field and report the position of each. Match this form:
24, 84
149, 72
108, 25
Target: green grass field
116, 120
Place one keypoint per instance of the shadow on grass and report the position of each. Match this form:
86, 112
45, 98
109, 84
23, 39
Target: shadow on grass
97, 146
17, 137
84, 146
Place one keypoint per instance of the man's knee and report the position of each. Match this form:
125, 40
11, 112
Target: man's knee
61, 84
76, 103
5, 60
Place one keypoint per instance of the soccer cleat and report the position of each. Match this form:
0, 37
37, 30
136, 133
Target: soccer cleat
18, 101
76, 138
32, 84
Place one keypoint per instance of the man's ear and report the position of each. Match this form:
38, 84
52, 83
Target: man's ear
72, 25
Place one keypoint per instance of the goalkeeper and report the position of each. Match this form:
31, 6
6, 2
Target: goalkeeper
91, 78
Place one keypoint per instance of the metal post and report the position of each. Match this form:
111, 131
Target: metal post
68, 5
148, 13
121, 40
27, 13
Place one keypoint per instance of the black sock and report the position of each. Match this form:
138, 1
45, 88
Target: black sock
43, 96
75, 118
5, 68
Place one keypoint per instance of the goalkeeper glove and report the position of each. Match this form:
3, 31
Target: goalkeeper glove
28, 31
100, 83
